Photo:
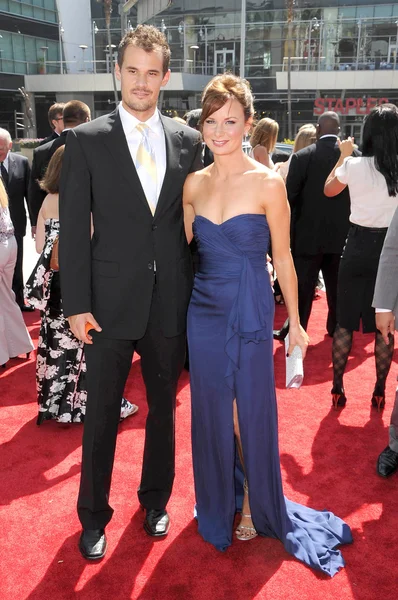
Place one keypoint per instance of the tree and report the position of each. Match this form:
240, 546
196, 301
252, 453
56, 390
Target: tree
108, 12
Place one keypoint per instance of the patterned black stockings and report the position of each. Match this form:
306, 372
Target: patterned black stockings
342, 342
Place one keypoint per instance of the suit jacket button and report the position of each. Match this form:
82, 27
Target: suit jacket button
150, 266
154, 227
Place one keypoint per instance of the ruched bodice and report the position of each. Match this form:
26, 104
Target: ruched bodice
230, 244
230, 322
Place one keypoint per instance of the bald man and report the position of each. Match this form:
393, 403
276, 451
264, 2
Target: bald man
319, 224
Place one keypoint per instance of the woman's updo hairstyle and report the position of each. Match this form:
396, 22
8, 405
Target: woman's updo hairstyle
226, 87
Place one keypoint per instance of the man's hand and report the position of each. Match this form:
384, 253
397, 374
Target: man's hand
385, 323
78, 325
33, 231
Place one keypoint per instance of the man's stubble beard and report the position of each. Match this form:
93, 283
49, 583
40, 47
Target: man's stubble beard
141, 105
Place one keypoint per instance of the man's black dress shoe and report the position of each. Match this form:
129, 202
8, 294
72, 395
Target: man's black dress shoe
27, 308
92, 543
157, 523
387, 463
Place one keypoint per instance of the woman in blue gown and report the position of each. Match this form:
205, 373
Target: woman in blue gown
233, 207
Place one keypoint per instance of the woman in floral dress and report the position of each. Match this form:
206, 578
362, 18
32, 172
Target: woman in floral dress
60, 367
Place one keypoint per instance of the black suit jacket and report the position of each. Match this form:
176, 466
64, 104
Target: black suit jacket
41, 157
319, 224
112, 275
18, 181
50, 138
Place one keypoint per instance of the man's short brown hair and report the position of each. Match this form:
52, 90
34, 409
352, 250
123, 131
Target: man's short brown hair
75, 113
148, 38
54, 112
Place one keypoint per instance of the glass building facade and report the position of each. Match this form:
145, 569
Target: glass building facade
327, 36
29, 44
29, 40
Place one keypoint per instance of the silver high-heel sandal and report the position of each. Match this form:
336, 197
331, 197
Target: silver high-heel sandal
245, 533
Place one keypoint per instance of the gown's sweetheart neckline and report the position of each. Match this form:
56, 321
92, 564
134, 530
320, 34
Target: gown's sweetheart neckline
231, 218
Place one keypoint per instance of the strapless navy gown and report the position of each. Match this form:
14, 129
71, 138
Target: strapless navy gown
230, 323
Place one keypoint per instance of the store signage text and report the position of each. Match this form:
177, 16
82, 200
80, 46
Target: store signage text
348, 106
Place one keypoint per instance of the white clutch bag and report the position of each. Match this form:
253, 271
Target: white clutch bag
294, 366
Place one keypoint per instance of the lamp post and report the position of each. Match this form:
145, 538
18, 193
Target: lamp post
95, 30
83, 48
396, 46
289, 66
110, 50
44, 48
359, 40
194, 48
61, 30
190, 61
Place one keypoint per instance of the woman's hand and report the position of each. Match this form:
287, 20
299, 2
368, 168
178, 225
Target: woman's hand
298, 337
346, 147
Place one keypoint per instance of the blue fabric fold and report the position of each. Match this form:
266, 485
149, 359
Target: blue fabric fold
247, 319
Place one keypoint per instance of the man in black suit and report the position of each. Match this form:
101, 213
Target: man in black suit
132, 282
75, 113
15, 171
319, 224
56, 120
192, 119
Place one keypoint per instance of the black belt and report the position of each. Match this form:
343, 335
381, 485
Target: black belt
369, 229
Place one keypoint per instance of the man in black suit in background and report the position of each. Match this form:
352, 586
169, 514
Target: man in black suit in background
319, 224
132, 281
74, 113
15, 171
56, 120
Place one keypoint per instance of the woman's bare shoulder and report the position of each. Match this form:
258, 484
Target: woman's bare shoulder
260, 150
260, 171
50, 206
261, 176
196, 178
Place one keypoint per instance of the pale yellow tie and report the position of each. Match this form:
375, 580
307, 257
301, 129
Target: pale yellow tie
146, 167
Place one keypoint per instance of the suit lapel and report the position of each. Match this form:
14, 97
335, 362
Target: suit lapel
11, 168
173, 138
116, 143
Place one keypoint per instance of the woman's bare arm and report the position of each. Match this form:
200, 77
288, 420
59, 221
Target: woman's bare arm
278, 216
189, 212
333, 186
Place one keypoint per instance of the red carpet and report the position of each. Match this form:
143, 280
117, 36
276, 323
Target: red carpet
328, 461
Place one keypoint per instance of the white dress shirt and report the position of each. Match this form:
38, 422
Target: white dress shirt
328, 135
156, 137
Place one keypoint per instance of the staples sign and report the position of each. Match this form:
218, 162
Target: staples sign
349, 106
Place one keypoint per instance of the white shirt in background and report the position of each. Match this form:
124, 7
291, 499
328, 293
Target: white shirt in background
371, 206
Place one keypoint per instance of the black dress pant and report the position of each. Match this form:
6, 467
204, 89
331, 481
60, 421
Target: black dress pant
307, 268
108, 365
17, 281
